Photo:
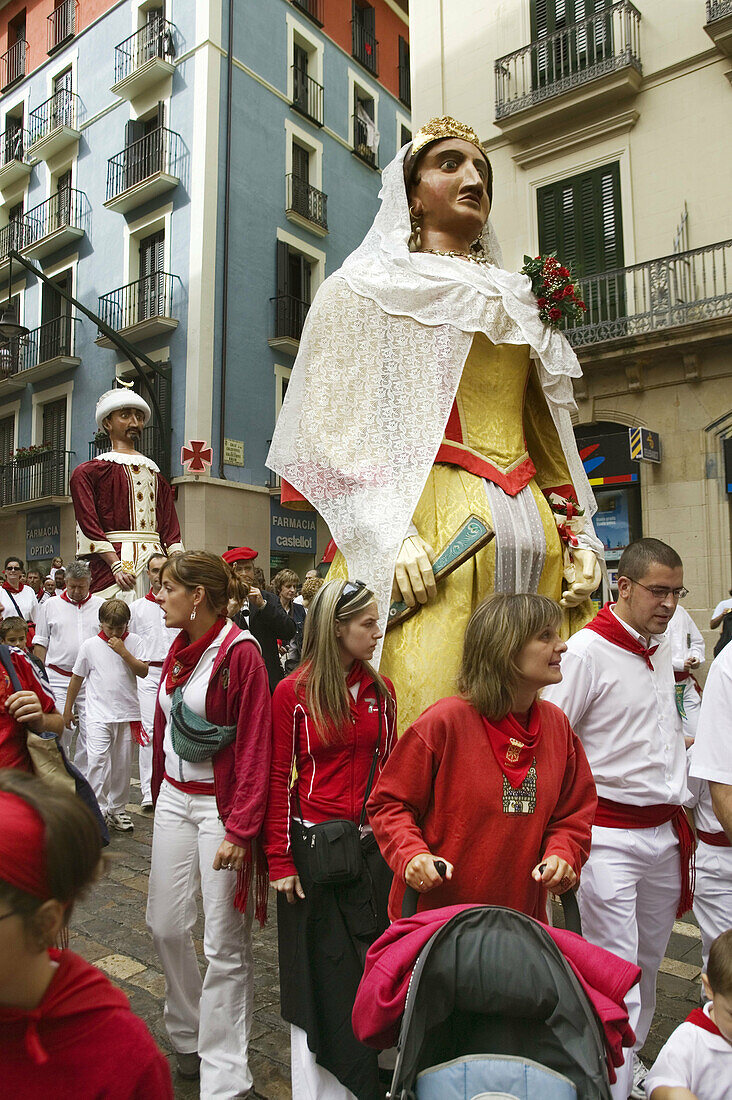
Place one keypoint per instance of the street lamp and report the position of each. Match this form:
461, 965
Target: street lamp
10, 326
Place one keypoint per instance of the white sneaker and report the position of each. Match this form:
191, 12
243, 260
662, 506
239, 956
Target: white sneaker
640, 1073
122, 822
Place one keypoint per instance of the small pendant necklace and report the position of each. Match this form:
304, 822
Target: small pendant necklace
470, 256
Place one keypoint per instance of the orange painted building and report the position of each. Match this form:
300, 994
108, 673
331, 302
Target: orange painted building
43, 26
388, 29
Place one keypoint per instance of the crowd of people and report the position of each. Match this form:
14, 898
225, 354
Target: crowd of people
268, 752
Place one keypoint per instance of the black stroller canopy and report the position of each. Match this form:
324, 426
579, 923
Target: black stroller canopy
492, 981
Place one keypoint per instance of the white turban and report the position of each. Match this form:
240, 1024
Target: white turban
115, 399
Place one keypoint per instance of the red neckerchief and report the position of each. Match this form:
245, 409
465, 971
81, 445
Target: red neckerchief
149, 596
75, 603
186, 655
699, 1017
609, 627
104, 637
76, 989
513, 746
9, 588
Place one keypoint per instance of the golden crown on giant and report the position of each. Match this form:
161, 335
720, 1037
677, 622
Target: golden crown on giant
445, 127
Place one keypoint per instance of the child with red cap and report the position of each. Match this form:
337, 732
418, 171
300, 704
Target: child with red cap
65, 1030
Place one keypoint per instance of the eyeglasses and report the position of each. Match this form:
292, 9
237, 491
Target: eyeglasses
13, 569
659, 593
350, 588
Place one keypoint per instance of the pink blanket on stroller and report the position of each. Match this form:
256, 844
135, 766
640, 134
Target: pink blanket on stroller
381, 996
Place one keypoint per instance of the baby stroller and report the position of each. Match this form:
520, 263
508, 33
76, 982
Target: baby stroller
494, 1010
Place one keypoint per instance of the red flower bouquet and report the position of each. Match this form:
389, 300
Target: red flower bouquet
556, 295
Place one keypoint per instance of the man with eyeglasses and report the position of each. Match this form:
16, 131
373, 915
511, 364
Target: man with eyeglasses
618, 692
17, 598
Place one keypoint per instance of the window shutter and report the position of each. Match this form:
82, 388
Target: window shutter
283, 282
7, 432
54, 424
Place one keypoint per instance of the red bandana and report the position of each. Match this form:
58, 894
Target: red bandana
609, 627
513, 746
22, 846
149, 596
75, 603
104, 637
8, 588
699, 1017
186, 655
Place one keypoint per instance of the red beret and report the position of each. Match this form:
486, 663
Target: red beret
239, 553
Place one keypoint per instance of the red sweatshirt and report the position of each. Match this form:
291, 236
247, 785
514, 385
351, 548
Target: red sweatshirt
14, 735
331, 778
443, 792
81, 1043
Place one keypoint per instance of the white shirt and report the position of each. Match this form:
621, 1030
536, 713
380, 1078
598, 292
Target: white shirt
695, 1059
147, 619
626, 718
685, 638
194, 694
111, 688
63, 626
44, 597
26, 600
711, 754
723, 605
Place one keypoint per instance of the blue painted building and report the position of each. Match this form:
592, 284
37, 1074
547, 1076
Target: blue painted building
192, 183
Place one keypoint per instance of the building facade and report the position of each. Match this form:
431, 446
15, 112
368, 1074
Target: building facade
191, 181
609, 129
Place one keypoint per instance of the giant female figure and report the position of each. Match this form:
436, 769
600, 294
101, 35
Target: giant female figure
427, 389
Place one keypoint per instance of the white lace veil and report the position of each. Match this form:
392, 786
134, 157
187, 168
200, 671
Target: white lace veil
380, 360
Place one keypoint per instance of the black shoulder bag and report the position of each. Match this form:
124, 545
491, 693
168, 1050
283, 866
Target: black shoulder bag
334, 852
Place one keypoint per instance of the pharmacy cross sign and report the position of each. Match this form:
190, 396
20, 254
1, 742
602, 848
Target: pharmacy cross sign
196, 456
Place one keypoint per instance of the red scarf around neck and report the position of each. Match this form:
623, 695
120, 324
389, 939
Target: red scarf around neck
9, 588
104, 637
513, 746
149, 596
609, 627
699, 1017
75, 603
186, 655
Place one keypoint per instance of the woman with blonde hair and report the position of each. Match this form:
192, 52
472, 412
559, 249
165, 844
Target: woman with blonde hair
334, 722
211, 756
492, 781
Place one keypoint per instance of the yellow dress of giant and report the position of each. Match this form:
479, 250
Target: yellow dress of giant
501, 426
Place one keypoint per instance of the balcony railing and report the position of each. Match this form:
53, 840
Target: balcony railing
62, 24
361, 146
14, 61
307, 201
568, 58
405, 86
682, 289
64, 209
365, 48
307, 95
313, 8
32, 477
155, 39
52, 340
289, 316
718, 9
156, 152
143, 300
61, 109
13, 145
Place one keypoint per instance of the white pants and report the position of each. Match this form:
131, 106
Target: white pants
309, 1080
147, 693
212, 1016
628, 897
109, 749
713, 894
59, 685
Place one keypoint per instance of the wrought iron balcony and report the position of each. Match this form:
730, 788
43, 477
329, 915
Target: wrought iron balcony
313, 8
140, 309
573, 56
719, 24
55, 124
151, 161
365, 48
48, 226
718, 9
307, 96
35, 476
405, 86
682, 289
289, 317
41, 352
361, 146
144, 57
307, 202
62, 24
14, 161
14, 61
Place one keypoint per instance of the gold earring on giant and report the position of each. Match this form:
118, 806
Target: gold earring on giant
415, 237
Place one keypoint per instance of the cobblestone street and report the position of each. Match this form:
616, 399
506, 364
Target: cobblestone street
109, 930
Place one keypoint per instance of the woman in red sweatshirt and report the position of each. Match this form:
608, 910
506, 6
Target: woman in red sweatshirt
493, 781
65, 1030
334, 722
211, 753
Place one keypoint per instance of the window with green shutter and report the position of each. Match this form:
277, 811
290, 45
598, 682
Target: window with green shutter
577, 44
580, 222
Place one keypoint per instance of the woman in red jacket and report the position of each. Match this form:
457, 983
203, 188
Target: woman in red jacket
493, 781
65, 1030
211, 756
334, 721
